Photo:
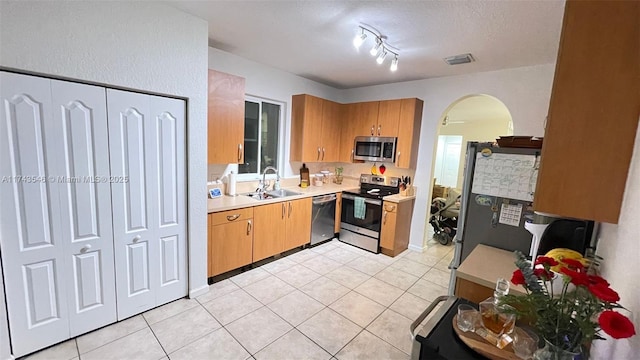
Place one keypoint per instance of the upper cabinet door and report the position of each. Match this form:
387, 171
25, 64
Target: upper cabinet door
225, 118
409, 133
593, 113
360, 119
306, 128
33, 247
388, 118
80, 124
331, 135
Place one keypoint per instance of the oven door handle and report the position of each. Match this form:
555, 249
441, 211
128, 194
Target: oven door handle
368, 201
426, 312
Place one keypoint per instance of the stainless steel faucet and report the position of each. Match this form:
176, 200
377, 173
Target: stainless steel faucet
263, 185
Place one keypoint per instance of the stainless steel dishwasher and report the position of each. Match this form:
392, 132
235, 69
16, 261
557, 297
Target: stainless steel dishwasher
323, 218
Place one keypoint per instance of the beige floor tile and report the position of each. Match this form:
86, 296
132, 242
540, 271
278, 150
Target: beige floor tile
341, 255
382, 258
293, 345
397, 278
410, 306
296, 307
357, 308
232, 306
63, 351
394, 329
302, 256
298, 275
438, 276
218, 289
219, 345
249, 277
411, 267
269, 289
168, 310
140, 345
379, 291
330, 330
368, 346
184, 328
258, 329
427, 290
321, 264
437, 249
426, 259
324, 290
321, 249
348, 276
110, 333
443, 264
278, 265
366, 265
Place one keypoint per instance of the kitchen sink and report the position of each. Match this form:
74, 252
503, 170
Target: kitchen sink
271, 194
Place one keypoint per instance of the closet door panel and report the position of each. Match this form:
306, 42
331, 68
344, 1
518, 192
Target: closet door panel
31, 244
80, 119
135, 240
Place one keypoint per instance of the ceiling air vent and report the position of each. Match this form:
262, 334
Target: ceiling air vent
459, 59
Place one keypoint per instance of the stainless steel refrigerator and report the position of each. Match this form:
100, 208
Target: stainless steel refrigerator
497, 198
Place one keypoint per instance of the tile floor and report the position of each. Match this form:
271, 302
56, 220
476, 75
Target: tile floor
333, 301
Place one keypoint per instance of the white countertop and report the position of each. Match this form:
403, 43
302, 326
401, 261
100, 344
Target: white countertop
486, 264
242, 201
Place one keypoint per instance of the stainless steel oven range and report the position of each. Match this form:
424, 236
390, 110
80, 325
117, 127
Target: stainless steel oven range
361, 215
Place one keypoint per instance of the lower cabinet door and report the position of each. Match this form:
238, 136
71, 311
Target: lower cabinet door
298, 229
270, 230
388, 231
230, 246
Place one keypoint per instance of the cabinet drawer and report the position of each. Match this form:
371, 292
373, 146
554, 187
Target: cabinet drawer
226, 217
390, 207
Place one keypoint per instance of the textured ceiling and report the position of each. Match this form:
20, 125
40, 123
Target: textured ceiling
313, 39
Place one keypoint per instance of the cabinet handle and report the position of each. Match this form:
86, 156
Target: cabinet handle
233, 217
322, 154
372, 129
318, 157
283, 210
384, 218
239, 152
389, 208
379, 127
136, 238
289, 209
249, 226
85, 248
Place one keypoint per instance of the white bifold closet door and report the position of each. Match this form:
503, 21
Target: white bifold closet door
55, 218
146, 146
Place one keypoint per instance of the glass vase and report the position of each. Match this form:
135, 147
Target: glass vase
553, 352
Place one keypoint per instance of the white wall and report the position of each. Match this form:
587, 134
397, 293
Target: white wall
138, 45
271, 83
525, 91
619, 245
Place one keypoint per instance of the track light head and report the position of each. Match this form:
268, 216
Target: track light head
376, 48
394, 64
359, 39
381, 57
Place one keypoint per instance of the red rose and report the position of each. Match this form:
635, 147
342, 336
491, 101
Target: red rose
544, 260
595, 279
616, 324
577, 278
517, 278
542, 274
573, 264
604, 292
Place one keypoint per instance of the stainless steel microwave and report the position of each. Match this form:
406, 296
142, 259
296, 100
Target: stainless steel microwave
375, 148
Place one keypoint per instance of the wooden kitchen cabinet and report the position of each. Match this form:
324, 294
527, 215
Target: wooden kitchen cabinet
230, 240
593, 113
225, 117
359, 119
315, 129
338, 212
270, 222
298, 223
396, 226
410, 121
388, 118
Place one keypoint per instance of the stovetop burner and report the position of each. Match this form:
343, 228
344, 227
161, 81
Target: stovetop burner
376, 187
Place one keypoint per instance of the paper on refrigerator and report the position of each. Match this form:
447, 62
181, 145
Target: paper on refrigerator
510, 176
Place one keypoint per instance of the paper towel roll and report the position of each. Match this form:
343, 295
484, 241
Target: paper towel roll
231, 185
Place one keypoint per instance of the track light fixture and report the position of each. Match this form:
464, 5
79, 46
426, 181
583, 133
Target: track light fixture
380, 49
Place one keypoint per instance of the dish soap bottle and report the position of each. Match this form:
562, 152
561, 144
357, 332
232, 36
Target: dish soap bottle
498, 319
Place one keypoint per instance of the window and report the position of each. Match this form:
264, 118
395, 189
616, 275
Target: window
262, 120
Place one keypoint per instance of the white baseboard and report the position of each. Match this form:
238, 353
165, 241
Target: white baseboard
198, 291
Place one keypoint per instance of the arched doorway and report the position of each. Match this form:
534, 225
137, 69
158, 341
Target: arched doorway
475, 117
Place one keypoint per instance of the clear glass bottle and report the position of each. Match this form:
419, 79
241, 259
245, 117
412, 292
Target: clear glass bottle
495, 317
